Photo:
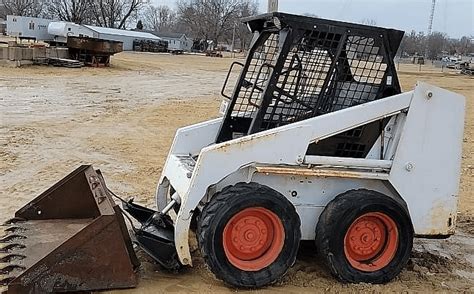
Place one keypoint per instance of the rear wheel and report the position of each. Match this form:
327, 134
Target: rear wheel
249, 235
364, 236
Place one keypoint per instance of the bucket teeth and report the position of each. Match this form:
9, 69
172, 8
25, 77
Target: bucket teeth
14, 221
11, 257
11, 237
6, 270
4, 281
10, 253
11, 247
14, 229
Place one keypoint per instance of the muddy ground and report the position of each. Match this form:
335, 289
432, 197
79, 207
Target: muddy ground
122, 119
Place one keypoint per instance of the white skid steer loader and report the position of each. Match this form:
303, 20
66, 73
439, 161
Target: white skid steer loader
316, 142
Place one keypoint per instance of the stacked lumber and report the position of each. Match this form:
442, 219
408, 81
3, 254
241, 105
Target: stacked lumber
63, 62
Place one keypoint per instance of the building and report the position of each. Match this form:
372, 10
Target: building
176, 41
125, 36
24, 27
48, 30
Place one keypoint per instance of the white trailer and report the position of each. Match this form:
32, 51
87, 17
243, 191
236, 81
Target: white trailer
24, 27
60, 30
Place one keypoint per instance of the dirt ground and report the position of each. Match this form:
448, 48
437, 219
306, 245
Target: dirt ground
123, 118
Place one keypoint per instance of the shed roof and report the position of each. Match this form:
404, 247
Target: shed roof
133, 34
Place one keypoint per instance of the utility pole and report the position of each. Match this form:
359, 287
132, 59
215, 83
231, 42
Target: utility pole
233, 41
272, 6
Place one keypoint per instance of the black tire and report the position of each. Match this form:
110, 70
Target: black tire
336, 220
216, 215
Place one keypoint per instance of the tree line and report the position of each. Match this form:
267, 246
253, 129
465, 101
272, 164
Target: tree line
107, 13
207, 20
434, 45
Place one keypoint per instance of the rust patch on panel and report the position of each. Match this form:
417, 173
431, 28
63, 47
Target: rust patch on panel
442, 220
322, 172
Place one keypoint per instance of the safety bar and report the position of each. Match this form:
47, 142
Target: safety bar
227, 78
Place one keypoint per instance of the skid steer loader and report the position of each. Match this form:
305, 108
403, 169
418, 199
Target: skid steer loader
316, 142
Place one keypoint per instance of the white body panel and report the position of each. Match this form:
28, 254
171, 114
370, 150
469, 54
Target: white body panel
426, 167
420, 166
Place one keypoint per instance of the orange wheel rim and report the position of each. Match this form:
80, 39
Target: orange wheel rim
253, 238
371, 241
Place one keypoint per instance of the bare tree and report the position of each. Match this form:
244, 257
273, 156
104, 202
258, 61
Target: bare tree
77, 11
408, 46
413, 43
211, 19
435, 44
21, 7
248, 8
113, 13
465, 45
159, 18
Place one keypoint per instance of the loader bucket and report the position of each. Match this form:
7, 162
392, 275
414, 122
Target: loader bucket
72, 237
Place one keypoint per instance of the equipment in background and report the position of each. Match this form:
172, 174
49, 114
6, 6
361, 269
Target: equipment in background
214, 53
417, 59
150, 46
467, 68
92, 51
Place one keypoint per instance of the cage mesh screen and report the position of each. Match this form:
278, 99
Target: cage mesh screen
307, 86
302, 79
361, 82
250, 95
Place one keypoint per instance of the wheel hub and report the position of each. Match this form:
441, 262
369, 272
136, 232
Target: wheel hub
371, 241
253, 238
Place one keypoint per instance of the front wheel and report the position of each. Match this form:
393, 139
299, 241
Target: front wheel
249, 235
364, 236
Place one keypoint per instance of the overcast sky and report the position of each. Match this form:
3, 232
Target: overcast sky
454, 17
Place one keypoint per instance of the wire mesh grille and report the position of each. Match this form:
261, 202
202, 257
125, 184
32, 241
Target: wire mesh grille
300, 67
307, 86
302, 79
261, 66
361, 83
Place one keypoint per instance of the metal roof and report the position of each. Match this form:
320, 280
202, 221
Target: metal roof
126, 33
169, 35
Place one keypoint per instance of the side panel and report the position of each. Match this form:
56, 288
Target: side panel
188, 140
427, 162
191, 139
311, 194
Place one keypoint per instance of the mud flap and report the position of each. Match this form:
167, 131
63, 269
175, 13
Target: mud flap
72, 237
